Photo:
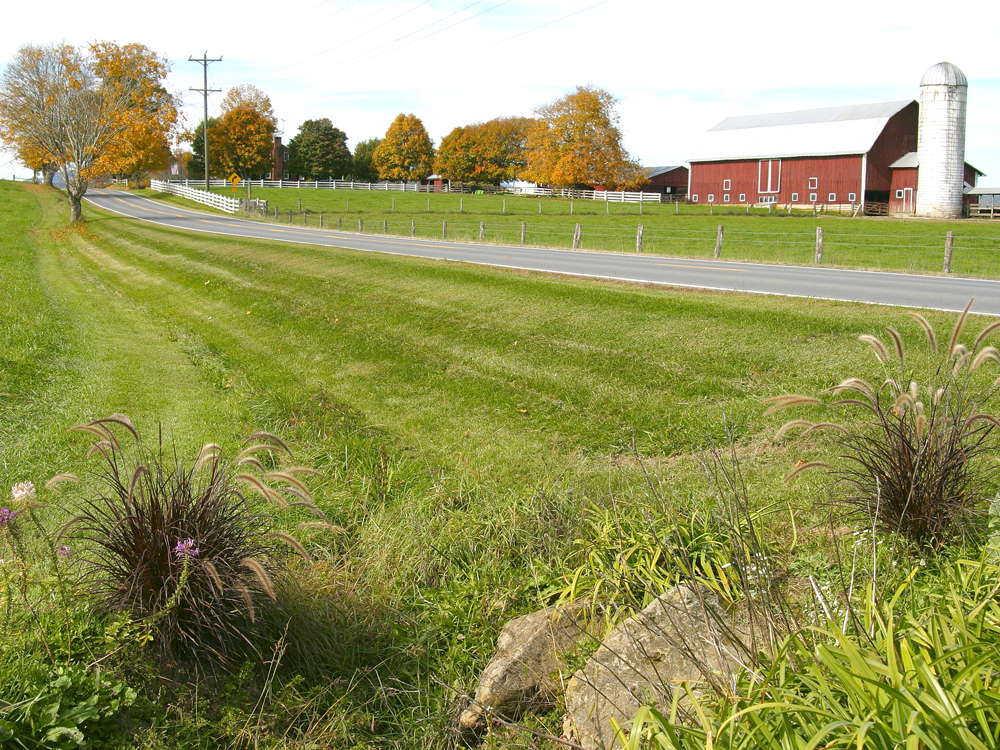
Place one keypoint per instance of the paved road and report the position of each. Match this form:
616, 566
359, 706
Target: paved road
883, 288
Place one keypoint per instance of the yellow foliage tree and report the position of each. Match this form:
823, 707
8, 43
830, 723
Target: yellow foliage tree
243, 136
406, 152
486, 152
84, 110
576, 142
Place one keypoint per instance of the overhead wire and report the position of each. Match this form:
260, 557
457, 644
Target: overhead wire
377, 54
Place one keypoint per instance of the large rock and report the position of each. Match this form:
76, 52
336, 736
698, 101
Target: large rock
644, 659
527, 672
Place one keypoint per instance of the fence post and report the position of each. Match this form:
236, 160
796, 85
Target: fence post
638, 239
394, 205
461, 204
571, 208
444, 229
718, 240
321, 221
482, 231
289, 216
340, 222
275, 213
819, 245
413, 228
300, 205
523, 231
677, 207
503, 210
576, 236
539, 206
385, 226
948, 241
428, 205
640, 202
348, 204
303, 219
711, 209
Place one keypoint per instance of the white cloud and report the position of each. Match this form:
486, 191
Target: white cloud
677, 68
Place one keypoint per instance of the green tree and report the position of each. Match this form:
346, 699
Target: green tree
196, 167
363, 171
406, 152
576, 142
319, 151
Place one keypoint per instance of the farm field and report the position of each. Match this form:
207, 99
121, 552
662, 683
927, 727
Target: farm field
472, 427
870, 243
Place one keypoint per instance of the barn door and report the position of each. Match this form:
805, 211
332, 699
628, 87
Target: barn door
908, 200
769, 176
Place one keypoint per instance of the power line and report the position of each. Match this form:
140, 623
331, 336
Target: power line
494, 44
365, 33
356, 60
204, 61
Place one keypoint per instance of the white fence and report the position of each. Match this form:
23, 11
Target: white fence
416, 187
229, 205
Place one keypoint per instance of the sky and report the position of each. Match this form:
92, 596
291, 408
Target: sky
676, 68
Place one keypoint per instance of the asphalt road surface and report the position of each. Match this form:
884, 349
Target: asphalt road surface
877, 287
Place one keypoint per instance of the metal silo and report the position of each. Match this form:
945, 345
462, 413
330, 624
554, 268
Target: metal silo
941, 142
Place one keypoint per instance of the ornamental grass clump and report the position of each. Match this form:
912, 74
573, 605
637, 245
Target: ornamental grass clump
182, 549
914, 464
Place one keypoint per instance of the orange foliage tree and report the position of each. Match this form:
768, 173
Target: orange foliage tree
88, 111
242, 138
487, 152
406, 152
576, 142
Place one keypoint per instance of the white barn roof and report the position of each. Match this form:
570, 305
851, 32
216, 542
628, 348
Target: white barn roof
830, 131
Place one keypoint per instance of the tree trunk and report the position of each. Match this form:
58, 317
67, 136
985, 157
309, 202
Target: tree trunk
48, 172
76, 208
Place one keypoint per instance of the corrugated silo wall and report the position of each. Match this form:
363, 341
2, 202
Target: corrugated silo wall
941, 151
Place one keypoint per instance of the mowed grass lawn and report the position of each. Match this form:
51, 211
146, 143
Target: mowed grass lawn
466, 419
687, 230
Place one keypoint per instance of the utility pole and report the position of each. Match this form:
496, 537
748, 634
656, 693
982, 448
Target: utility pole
205, 91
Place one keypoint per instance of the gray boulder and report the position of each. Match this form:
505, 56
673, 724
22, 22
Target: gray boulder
644, 659
528, 671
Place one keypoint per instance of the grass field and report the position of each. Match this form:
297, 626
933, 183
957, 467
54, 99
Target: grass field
876, 243
466, 420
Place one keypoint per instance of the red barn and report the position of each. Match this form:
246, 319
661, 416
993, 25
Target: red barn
669, 181
830, 155
903, 190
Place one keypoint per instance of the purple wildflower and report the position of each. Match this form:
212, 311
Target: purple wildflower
63, 551
7, 516
186, 548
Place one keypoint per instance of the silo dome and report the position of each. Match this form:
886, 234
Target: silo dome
944, 74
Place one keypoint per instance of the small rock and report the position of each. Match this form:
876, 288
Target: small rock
644, 659
526, 674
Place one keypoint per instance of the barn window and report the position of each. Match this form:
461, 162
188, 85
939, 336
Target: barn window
813, 183
832, 197
711, 197
899, 194
812, 197
694, 198
286, 175
743, 197
727, 184
725, 198
795, 197
852, 197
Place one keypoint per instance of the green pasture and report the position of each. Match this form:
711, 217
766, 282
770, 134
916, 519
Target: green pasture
467, 421
681, 230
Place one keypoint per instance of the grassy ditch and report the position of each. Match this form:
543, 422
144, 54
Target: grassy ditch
480, 434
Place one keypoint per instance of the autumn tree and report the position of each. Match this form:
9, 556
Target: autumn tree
319, 151
242, 139
487, 152
362, 169
576, 142
89, 111
406, 152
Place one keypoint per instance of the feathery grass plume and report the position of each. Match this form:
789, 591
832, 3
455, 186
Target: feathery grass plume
984, 333
806, 466
877, 345
783, 402
149, 519
919, 462
931, 338
309, 525
294, 543
897, 343
59, 479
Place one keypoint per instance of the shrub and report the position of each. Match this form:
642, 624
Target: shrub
183, 549
914, 465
